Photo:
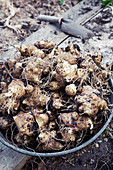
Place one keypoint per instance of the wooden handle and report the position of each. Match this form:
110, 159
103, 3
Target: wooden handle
48, 18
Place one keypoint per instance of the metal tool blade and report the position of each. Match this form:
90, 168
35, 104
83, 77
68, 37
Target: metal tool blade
74, 29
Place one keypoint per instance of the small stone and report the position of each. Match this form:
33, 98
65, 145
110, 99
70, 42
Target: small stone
106, 139
97, 145
100, 141
92, 161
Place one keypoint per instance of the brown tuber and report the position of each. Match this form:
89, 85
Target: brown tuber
16, 89
54, 85
27, 49
90, 101
71, 89
66, 71
47, 138
5, 123
68, 118
44, 44
76, 121
25, 123
36, 98
33, 71
68, 134
41, 119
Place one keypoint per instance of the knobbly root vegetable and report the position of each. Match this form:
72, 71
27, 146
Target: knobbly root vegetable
17, 70
84, 123
16, 89
25, 123
36, 98
90, 101
25, 139
57, 104
70, 58
71, 90
38, 53
52, 125
26, 50
29, 88
8, 103
97, 58
54, 85
66, 70
68, 134
44, 44
11, 63
3, 85
48, 139
5, 123
89, 63
81, 75
41, 119
32, 71
68, 118
76, 121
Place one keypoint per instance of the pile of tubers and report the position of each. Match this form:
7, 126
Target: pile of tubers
51, 95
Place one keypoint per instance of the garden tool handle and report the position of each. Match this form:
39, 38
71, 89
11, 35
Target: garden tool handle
51, 19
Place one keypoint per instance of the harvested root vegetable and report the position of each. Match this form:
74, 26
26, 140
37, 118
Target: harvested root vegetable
89, 63
57, 104
5, 123
25, 123
8, 103
81, 75
3, 85
41, 119
90, 101
76, 121
16, 89
70, 58
17, 70
52, 125
97, 58
69, 118
27, 49
68, 134
66, 70
44, 44
29, 88
54, 85
24, 139
70, 89
11, 63
48, 139
36, 98
84, 123
32, 71
38, 53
